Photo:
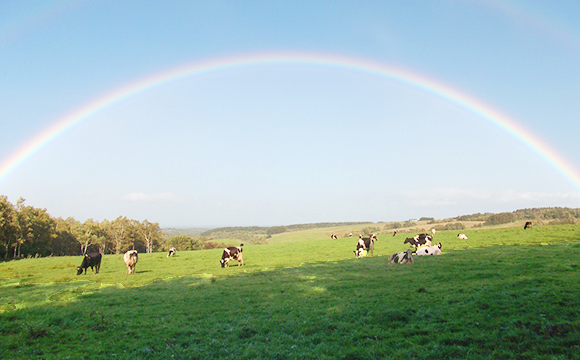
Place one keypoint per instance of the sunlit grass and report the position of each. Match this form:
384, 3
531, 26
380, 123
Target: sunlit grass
306, 299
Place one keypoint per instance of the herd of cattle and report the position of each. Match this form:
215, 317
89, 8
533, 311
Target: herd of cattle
421, 243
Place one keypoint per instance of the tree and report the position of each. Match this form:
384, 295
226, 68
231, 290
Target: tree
38, 229
117, 232
9, 227
150, 232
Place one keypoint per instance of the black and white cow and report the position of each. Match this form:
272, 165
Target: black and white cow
91, 259
360, 249
395, 232
528, 225
429, 250
368, 243
402, 257
419, 240
232, 253
333, 236
462, 236
172, 252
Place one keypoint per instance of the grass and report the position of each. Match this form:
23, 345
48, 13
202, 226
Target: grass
486, 297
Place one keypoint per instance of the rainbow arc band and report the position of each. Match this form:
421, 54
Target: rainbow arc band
410, 78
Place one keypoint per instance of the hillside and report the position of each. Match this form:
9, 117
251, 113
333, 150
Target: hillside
315, 302
263, 235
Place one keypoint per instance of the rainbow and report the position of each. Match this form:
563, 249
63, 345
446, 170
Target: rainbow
359, 65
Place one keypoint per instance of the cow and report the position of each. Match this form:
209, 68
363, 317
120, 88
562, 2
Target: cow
528, 225
333, 236
360, 249
232, 253
131, 259
395, 232
419, 240
368, 243
172, 252
433, 231
350, 235
91, 259
462, 236
402, 257
429, 250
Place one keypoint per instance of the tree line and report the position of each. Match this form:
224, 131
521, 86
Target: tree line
28, 231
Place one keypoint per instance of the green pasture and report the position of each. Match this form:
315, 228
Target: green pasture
503, 293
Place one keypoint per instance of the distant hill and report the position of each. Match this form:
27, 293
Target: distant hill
261, 234
193, 232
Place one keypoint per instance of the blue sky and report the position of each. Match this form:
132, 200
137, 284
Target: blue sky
288, 143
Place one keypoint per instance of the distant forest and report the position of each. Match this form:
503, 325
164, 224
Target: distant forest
26, 231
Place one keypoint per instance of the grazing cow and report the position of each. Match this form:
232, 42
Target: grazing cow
429, 250
131, 259
369, 243
528, 225
462, 236
360, 248
91, 259
402, 257
419, 240
333, 236
395, 232
350, 235
172, 252
232, 253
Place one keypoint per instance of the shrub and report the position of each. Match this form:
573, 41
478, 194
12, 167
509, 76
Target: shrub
501, 218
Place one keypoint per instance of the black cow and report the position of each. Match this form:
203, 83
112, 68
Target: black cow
90, 259
419, 240
528, 225
232, 253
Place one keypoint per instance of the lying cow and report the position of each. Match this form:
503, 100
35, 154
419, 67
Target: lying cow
462, 236
91, 259
232, 253
131, 259
429, 250
402, 257
419, 240
172, 252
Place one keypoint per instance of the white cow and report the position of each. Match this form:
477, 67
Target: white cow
429, 250
131, 259
462, 236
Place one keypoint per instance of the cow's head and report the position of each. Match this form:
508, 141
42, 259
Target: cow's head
409, 240
79, 270
358, 253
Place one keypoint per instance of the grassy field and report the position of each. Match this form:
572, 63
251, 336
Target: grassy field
503, 293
